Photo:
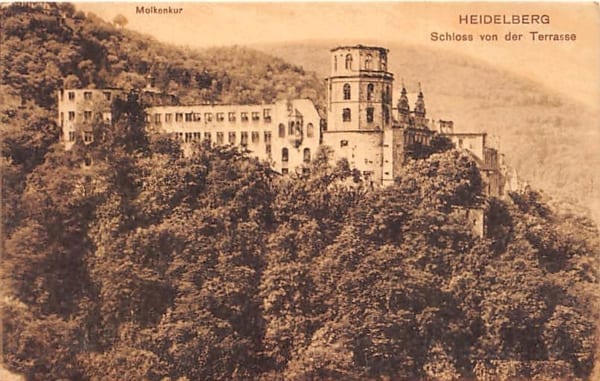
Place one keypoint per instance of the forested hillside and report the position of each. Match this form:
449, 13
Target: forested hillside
552, 141
147, 265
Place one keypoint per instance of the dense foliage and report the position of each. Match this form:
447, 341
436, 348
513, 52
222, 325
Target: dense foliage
123, 260
149, 265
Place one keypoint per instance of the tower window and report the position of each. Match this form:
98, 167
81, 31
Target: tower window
368, 62
281, 130
346, 115
370, 90
348, 61
310, 130
347, 92
285, 156
306, 155
369, 114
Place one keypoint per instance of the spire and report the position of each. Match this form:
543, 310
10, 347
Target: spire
403, 106
420, 104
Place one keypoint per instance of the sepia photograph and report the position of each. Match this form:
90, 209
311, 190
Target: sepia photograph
196, 191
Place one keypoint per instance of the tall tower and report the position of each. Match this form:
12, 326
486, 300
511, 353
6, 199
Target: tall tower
359, 108
359, 89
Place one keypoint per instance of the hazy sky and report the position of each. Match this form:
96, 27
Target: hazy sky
572, 67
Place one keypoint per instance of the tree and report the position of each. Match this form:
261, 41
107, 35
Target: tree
120, 21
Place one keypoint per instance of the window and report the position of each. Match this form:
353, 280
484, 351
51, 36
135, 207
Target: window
346, 115
87, 95
244, 116
268, 149
220, 138
244, 139
310, 130
255, 116
306, 155
107, 95
281, 130
388, 95
156, 118
231, 138
370, 90
255, 137
343, 143
71, 136
334, 62
383, 61
369, 114
347, 91
231, 116
71, 115
196, 136
268, 136
285, 155
207, 136
349, 61
188, 116
220, 116
62, 119
168, 118
88, 137
107, 116
87, 115
196, 117
386, 115
284, 171
291, 127
267, 115
71, 95
179, 117
189, 137
368, 62
208, 116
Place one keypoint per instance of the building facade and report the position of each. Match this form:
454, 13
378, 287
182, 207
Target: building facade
286, 133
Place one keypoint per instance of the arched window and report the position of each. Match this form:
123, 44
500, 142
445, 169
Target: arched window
282, 130
388, 94
285, 156
348, 61
347, 93
346, 115
370, 90
368, 62
307, 155
291, 128
310, 130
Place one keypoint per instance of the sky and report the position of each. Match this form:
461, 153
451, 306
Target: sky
571, 67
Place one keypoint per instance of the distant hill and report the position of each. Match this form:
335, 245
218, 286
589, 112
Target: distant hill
552, 141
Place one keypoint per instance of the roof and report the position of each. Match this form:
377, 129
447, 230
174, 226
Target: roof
359, 46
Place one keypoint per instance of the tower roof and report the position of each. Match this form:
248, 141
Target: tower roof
359, 46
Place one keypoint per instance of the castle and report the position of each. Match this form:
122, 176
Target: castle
362, 125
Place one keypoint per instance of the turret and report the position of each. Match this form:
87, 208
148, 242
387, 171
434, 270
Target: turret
403, 106
420, 105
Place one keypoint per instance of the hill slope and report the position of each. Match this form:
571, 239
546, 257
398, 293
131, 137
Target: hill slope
549, 139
